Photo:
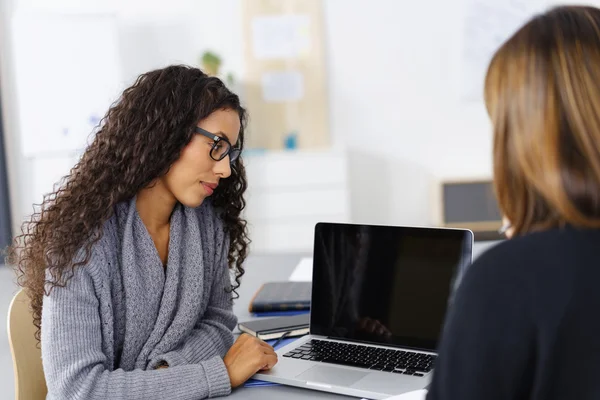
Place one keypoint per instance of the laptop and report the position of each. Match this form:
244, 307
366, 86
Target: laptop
379, 297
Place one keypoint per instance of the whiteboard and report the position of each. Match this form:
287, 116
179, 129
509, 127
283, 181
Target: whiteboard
67, 75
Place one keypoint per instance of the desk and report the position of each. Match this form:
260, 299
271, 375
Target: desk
263, 268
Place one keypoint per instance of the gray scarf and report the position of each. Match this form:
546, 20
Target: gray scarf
161, 308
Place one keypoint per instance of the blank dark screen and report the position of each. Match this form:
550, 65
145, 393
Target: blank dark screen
384, 284
470, 202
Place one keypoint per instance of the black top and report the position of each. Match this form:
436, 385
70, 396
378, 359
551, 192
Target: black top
525, 323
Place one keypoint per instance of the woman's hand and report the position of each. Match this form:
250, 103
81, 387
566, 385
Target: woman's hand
374, 327
247, 356
162, 365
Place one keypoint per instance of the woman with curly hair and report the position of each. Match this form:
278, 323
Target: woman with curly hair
127, 262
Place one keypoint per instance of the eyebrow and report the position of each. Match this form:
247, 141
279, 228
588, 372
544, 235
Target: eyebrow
219, 133
223, 134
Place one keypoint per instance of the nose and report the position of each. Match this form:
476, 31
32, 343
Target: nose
223, 168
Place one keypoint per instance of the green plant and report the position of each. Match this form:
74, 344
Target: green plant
211, 63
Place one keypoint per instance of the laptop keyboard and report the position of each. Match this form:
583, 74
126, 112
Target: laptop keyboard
355, 355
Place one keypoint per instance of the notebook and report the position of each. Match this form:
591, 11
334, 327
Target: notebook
281, 296
274, 328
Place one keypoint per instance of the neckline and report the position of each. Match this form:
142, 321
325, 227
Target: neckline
148, 237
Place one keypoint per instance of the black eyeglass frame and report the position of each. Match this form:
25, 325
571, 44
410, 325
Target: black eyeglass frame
232, 152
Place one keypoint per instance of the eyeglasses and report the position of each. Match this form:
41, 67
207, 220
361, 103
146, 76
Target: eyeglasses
221, 147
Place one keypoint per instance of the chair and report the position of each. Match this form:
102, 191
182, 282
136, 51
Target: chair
30, 383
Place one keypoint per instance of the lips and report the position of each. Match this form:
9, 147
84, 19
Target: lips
209, 187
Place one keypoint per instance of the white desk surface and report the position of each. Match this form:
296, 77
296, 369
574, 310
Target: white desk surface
263, 268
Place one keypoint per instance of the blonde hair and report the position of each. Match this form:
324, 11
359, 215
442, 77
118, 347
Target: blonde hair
542, 92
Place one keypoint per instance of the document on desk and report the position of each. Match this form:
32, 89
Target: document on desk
303, 271
414, 395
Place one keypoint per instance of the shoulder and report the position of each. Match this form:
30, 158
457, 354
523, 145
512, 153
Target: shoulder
496, 277
533, 265
537, 252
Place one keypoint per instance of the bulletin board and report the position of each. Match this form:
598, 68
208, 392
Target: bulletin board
285, 81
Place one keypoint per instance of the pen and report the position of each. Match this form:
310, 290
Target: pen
286, 334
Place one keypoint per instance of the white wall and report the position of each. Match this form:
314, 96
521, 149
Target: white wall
151, 35
394, 80
395, 74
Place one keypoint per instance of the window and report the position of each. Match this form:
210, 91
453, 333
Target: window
5, 220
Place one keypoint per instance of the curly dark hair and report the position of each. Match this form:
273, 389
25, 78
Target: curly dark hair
136, 142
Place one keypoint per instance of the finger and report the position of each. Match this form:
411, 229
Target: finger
379, 328
362, 323
260, 346
266, 345
370, 327
268, 351
269, 362
264, 362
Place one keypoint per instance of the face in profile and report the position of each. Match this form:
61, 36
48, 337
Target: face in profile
196, 175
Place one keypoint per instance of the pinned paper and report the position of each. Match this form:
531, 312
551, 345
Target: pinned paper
280, 36
278, 86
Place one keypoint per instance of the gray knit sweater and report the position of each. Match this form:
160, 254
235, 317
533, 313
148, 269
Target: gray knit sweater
121, 314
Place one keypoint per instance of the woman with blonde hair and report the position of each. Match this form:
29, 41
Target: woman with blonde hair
524, 322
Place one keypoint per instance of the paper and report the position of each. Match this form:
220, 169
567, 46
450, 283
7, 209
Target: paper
414, 395
281, 86
488, 23
280, 36
303, 271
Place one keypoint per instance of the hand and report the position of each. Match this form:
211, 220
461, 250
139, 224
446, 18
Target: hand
374, 327
162, 365
247, 356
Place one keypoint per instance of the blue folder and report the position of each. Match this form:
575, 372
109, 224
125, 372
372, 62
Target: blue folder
280, 313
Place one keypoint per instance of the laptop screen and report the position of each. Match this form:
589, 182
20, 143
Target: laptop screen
385, 285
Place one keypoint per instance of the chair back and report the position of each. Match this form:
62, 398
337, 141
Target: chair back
30, 383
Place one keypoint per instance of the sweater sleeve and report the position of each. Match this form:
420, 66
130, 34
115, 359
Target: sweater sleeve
74, 363
213, 334
487, 343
